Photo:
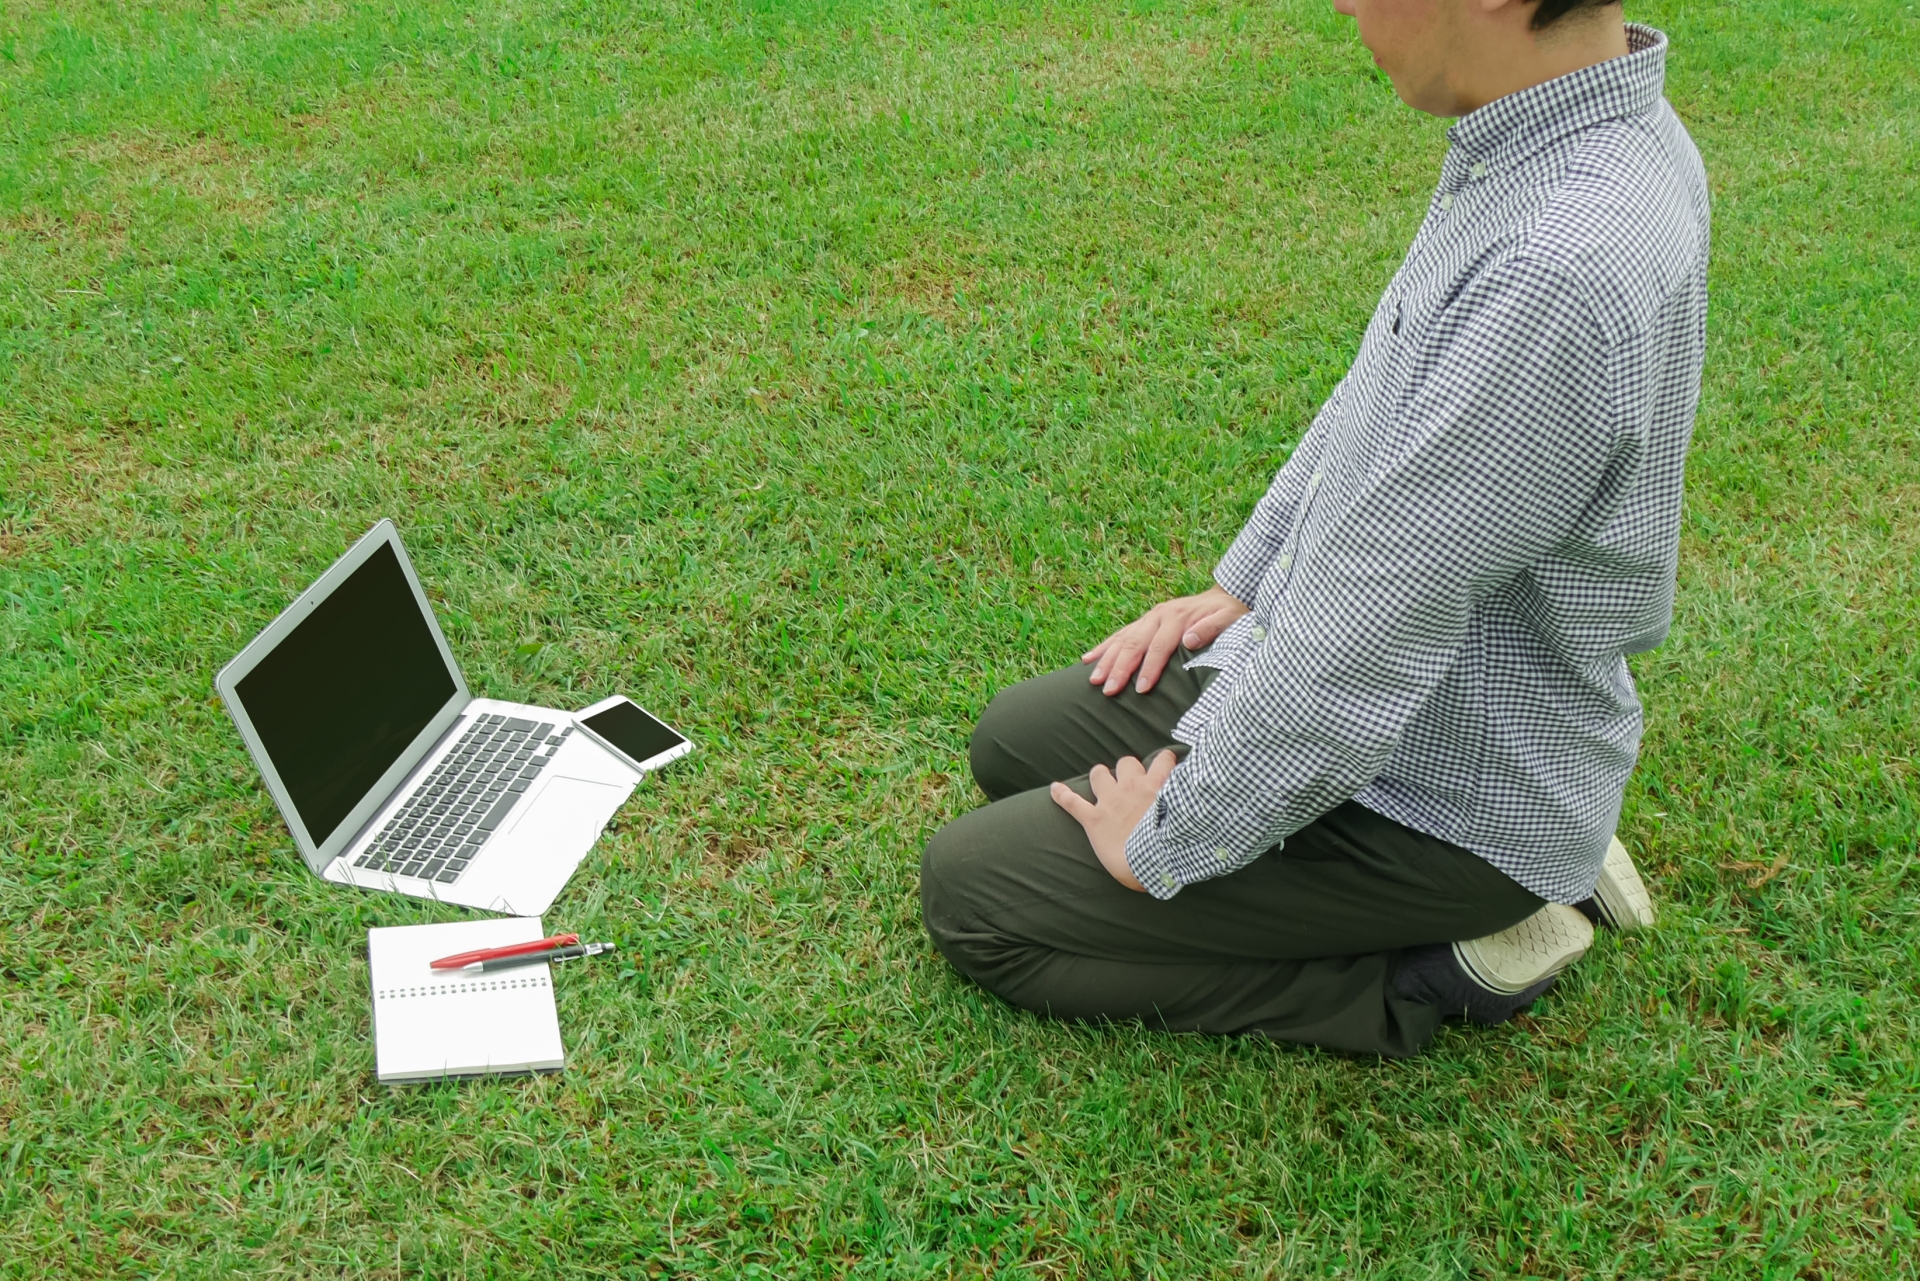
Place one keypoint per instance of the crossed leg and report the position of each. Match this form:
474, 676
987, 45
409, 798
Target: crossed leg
1299, 945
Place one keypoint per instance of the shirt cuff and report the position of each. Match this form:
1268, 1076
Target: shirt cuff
1147, 860
1165, 868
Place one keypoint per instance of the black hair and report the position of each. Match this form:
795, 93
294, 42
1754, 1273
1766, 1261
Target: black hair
1548, 12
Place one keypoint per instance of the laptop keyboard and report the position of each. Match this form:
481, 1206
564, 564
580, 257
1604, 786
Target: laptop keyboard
438, 833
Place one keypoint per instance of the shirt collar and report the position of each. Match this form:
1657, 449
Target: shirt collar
1510, 128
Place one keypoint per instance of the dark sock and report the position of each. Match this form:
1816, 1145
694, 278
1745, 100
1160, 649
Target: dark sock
1590, 908
1433, 975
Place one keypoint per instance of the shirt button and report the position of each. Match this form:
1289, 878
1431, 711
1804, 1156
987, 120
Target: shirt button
1259, 632
1479, 170
1446, 201
1286, 560
1167, 881
1313, 482
1221, 853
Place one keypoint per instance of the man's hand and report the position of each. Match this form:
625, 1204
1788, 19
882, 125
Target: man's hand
1120, 799
1146, 644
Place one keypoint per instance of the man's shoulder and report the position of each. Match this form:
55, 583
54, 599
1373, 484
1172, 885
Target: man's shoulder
1626, 222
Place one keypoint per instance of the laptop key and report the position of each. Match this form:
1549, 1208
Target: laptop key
498, 812
519, 726
411, 869
433, 868
447, 878
520, 785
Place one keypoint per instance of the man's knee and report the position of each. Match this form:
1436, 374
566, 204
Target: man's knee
996, 770
938, 902
982, 873
947, 904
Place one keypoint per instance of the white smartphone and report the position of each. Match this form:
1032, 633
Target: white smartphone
626, 729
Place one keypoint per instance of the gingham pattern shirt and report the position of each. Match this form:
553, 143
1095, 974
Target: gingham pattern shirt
1483, 520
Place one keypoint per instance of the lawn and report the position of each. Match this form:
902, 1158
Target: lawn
809, 369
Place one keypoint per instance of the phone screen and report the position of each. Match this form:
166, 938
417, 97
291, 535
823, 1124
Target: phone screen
632, 731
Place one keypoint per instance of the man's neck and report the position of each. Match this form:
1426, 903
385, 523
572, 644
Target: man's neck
1495, 59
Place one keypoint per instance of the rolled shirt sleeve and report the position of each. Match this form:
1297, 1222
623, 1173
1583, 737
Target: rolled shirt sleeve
1503, 445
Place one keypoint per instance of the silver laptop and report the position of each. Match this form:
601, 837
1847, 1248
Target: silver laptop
390, 773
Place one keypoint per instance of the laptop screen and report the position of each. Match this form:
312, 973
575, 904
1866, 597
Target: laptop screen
346, 691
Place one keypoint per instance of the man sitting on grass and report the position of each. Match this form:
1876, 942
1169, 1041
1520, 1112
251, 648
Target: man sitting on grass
1402, 715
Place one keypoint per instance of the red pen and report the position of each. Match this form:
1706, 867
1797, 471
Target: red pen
461, 960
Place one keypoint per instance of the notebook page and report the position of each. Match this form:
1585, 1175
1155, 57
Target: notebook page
429, 1024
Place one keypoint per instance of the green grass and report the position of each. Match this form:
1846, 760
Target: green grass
810, 370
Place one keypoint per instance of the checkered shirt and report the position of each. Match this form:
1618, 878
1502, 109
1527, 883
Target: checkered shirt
1483, 520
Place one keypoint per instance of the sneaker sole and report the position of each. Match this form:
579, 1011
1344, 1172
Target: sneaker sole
1620, 894
1529, 953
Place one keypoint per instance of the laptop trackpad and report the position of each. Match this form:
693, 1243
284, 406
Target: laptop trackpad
568, 814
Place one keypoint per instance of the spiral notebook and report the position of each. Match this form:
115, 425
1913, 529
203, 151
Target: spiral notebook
430, 1024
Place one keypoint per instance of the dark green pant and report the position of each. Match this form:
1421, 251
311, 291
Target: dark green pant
1299, 945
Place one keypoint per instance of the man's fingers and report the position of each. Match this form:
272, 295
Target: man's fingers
1159, 650
1141, 650
1073, 803
1162, 768
1207, 630
1121, 665
1199, 635
1099, 654
1101, 648
1100, 780
1128, 769
1114, 657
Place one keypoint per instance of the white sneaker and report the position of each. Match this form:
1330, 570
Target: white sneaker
1528, 954
1620, 894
